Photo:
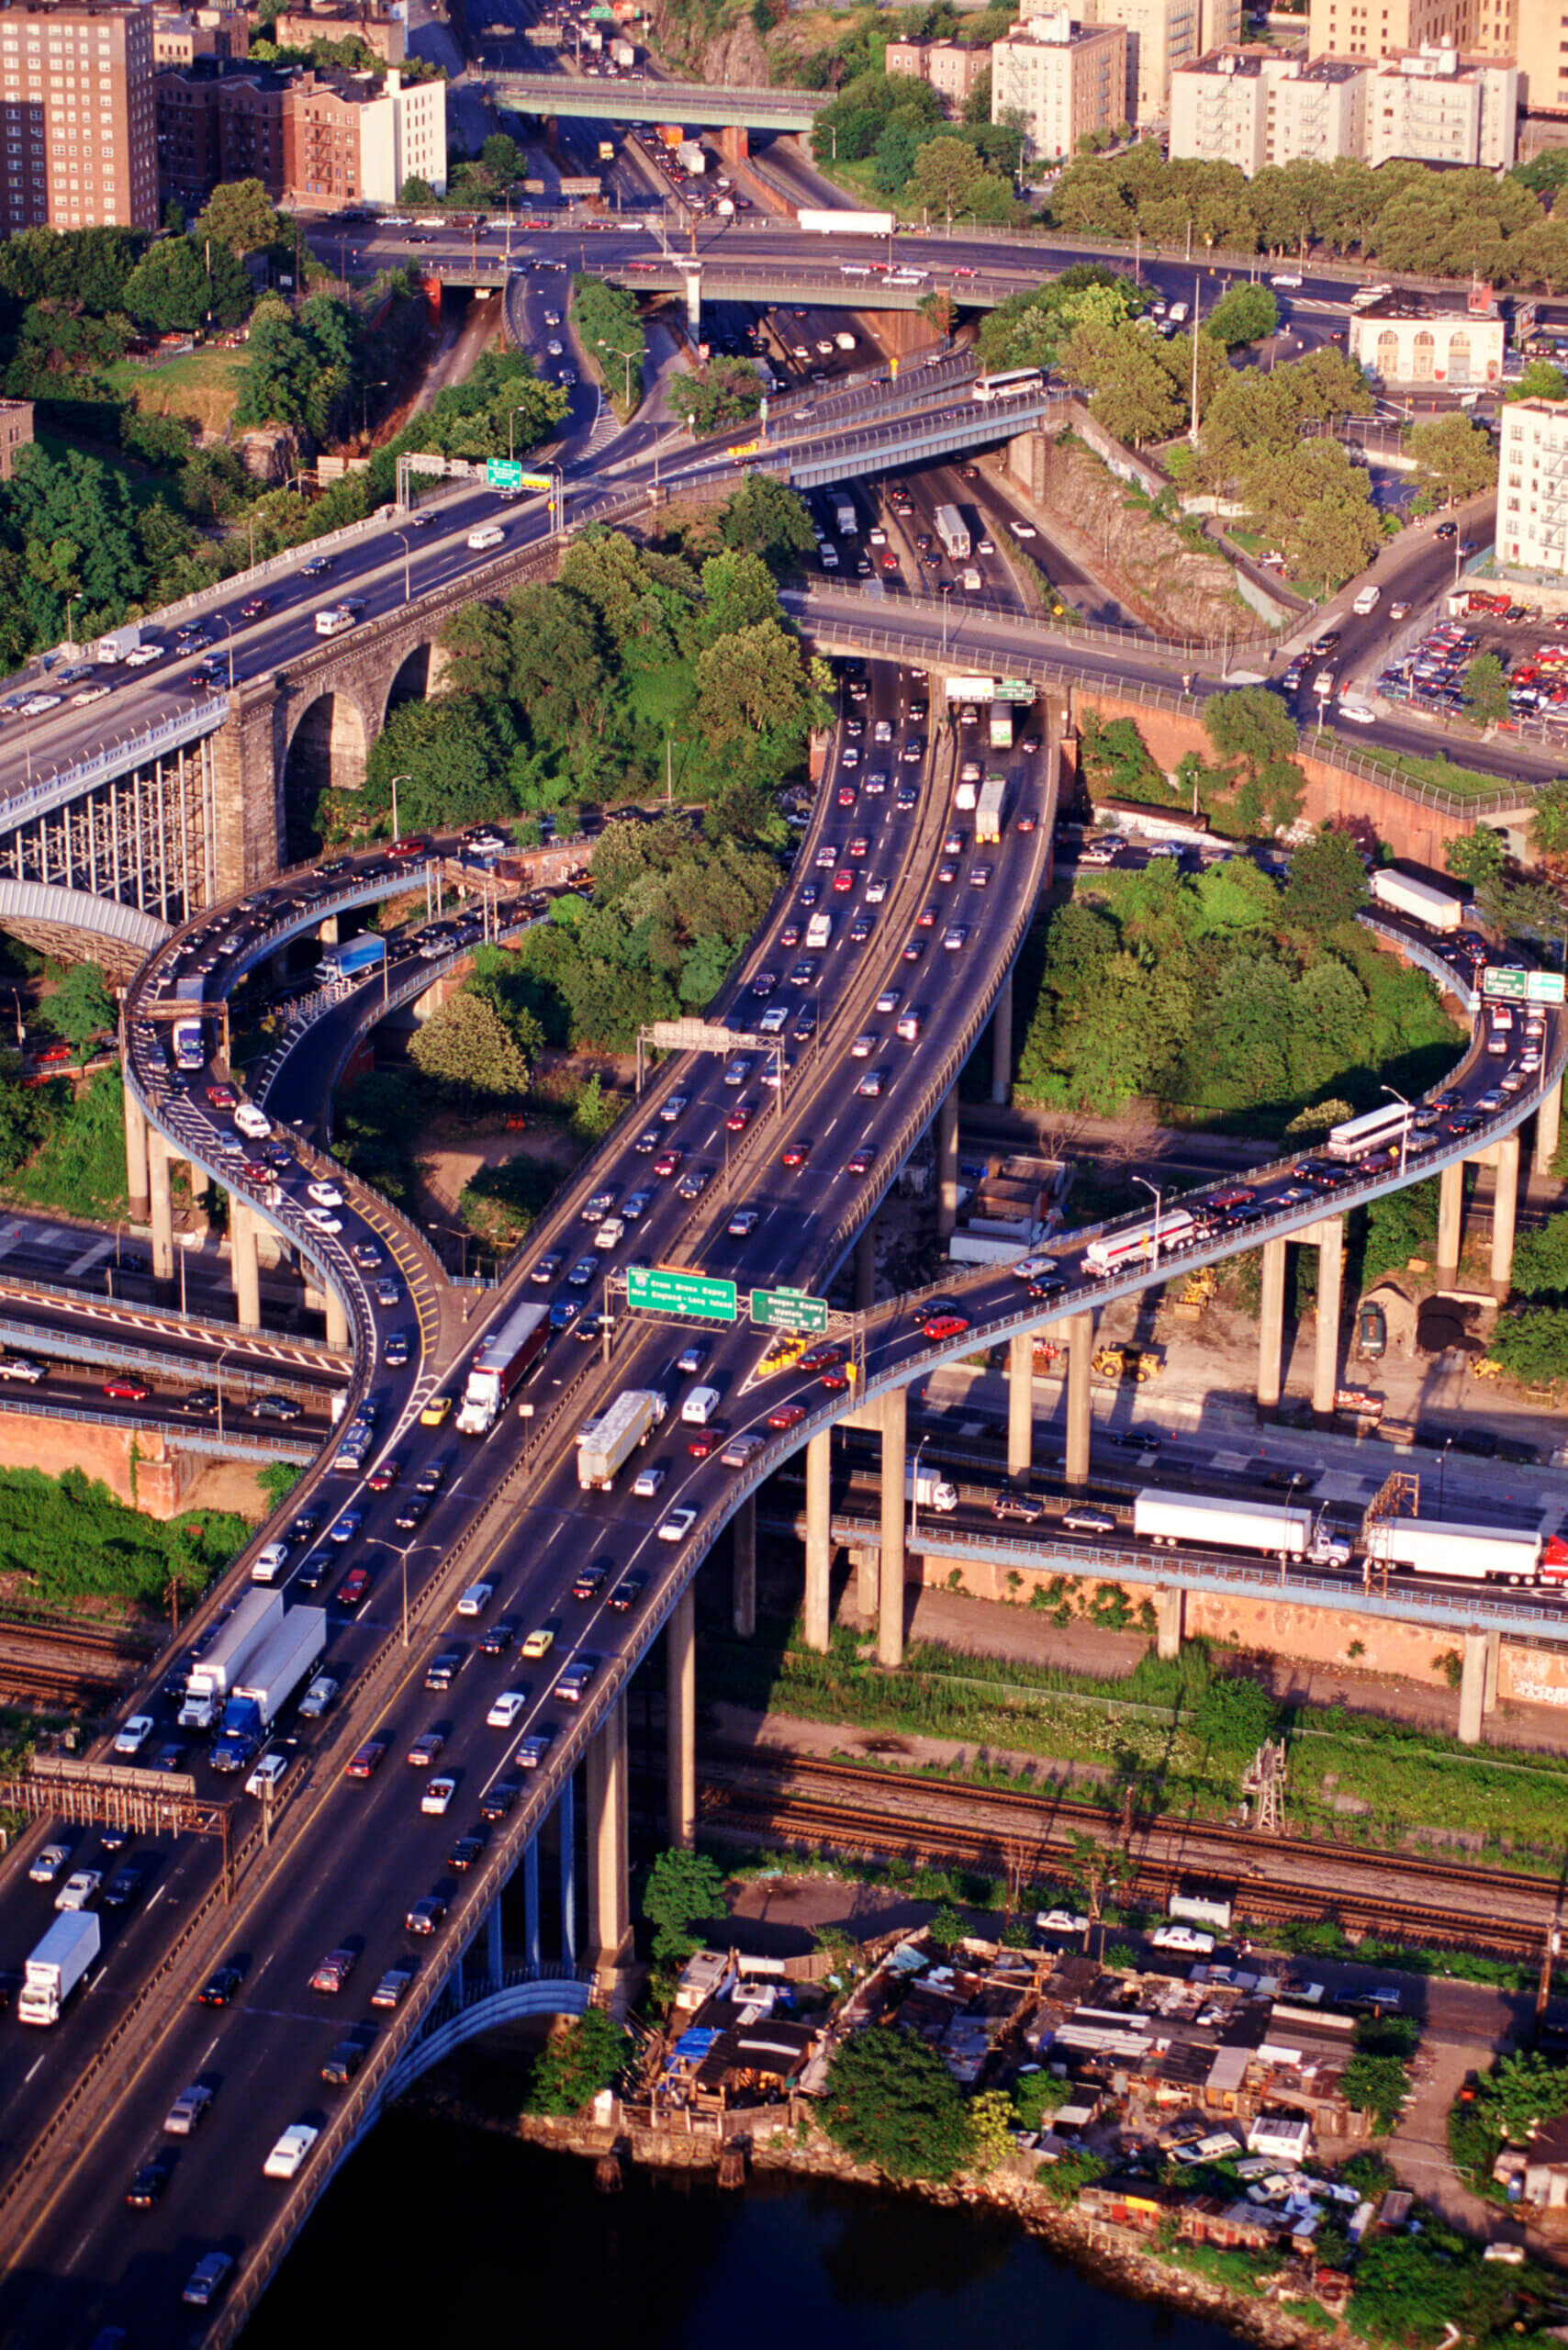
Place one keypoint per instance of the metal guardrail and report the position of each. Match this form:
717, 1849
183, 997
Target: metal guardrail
88, 1347
332, 1358
188, 726
182, 1436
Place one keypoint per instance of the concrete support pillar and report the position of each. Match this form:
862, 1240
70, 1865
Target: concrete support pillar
531, 1951
1002, 1044
609, 1898
1505, 1209
1020, 1403
495, 1966
337, 1320
1271, 1327
1451, 1220
1494, 1662
244, 1265
865, 1270
1330, 1286
866, 1567
890, 1608
1079, 1418
161, 1206
681, 1718
567, 1828
1548, 1121
819, 1540
1170, 1610
742, 1569
1472, 1690
136, 1158
947, 1162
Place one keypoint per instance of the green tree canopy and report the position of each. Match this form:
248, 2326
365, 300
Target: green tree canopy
239, 215
179, 286
1328, 883
1243, 314
81, 1006
891, 2102
468, 1049
582, 2055
684, 1889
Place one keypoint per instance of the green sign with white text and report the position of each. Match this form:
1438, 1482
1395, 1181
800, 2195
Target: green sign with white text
788, 1309
503, 473
659, 1290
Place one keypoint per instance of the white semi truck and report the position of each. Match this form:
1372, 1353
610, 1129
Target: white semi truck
213, 1677
953, 531
291, 1653
500, 1363
1472, 1553
1279, 1530
58, 1964
1419, 901
603, 1445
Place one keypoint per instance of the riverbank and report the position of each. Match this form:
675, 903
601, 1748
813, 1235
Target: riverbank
1113, 2257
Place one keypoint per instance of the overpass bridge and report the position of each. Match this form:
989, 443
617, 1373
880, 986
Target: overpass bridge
695, 104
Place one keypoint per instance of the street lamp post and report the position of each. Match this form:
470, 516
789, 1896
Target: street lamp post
914, 1489
1405, 1129
614, 351
1159, 1201
511, 429
1443, 1471
401, 538
228, 627
364, 392
74, 597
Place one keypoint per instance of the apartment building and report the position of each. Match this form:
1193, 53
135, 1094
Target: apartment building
950, 68
1378, 28
378, 28
76, 114
1437, 106
1532, 485
181, 37
317, 142
1253, 106
1066, 80
1162, 36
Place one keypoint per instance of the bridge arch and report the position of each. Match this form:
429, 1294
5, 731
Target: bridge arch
74, 926
417, 677
326, 750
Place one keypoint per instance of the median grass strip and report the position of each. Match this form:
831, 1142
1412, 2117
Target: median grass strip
1177, 1734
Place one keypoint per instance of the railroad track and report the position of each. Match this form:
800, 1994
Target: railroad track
880, 1815
58, 1663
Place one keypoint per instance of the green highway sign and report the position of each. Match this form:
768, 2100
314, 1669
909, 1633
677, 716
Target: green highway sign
1546, 987
788, 1309
1513, 984
660, 1291
503, 473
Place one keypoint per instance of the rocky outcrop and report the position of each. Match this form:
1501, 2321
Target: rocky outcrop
1165, 583
737, 59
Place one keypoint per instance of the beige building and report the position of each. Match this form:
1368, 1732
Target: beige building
1399, 342
16, 433
316, 142
376, 27
1065, 80
402, 136
1378, 28
1253, 106
181, 38
1438, 107
1163, 35
76, 108
950, 68
1532, 485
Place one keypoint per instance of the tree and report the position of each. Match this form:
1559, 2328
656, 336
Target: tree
1454, 456
991, 2129
683, 1888
466, 1046
1539, 381
582, 2055
890, 2101
1541, 1260
945, 175
740, 591
1252, 723
1480, 858
751, 681
21, 1116
1548, 820
1486, 689
771, 519
178, 287
81, 1006
415, 190
1377, 2087
502, 157
239, 215
1135, 392
724, 392
1327, 884
1532, 1346
1243, 314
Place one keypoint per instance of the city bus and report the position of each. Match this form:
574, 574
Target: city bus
1116, 1252
1374, 1130
1012, 384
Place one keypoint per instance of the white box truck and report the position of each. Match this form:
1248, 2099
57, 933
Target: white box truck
212, 1677
953, 531
692, 157
1420, 900
293, 1653
819, 930
983, 1248
1280, 1531
1472, 1553
605, 1443
988, 813
928, 1491
58, 1964
845, 516
118, 642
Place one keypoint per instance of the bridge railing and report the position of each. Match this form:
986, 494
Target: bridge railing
14, 1287
127, 751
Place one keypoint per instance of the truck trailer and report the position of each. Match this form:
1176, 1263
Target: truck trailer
116, 643
1471, 1553
928, 1491
953, 531
503, 1359
983, 1248
58, 1964
988, 812
846, 519
1280, 1531
1421, 902
189, 1048
213, 1677
603, 1445
355, 959
1001, 715
294, 1650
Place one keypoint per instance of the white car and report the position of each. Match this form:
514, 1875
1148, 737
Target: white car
477, 1598
141, 655
1358, 712
506, 1709
319, 1221
648, 1481
84, 694
48, 1863
678, 1524
290, 2151
267, 1775
1024, 530
438, 1795
79, 1892
133, 1735
1288, 278
1059, 1921
1032, 1269
249, 1120
325, 1195
1184, 1938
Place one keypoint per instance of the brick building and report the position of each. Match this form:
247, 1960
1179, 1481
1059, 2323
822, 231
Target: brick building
76, 112
317, 142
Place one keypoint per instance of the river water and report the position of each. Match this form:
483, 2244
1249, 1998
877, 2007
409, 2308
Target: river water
453, 2239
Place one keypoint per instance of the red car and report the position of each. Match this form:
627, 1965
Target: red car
127, 1391
946, 1326
740, 1118
788, 1415
384, 1474
668, 1161
859, 1162
843, 879
222, 1097
1234, 1195
859, 845
926, 918
54, 1053
412, 844
796, 1154
353, 1587
846, 795
366, 1758
707, 1440
254, 606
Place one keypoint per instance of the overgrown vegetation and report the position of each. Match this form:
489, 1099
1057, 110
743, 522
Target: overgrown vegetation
608, 326
68, 1539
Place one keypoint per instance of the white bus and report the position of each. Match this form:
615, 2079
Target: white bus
1114, 1252
1014, 384
1373, 1131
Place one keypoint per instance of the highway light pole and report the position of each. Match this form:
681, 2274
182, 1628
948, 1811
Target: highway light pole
511, 429
1405, 1129
74, 597
403, 543
1159, 1201
364, 392
228, 627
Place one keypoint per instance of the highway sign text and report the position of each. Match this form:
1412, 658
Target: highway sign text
788, 1309
660, 1291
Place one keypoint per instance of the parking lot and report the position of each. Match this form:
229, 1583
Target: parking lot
1531, 646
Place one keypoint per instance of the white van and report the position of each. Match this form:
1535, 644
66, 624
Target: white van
333, 620
700, 1406
1368, 601
489, 535
253, 1122
1177, 314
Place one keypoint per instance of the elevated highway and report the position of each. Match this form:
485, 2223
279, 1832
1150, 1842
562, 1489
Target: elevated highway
635, 100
